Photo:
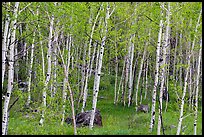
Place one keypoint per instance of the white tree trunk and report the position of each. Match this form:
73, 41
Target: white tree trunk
54, 85
98, 73
152, 122
64, 93
197, 90
49, 53
131, 70
30, 70
146, 79
5, 44
10, 71
121, 79
163, 68
88, 62
139, 76
116, 73
186, 78
69, 88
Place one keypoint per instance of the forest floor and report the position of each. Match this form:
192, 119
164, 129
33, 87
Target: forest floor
116, 120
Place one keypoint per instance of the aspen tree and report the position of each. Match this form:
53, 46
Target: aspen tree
67, 85
64, 93
98, 72
5, 43
31, 65
152, 122
186, 78
10, 70
131, 71
120, 84
88, 61
165, 45
197, 90
116, 68
48, 75
139, 76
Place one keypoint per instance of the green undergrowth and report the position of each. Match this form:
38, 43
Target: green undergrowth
116, 119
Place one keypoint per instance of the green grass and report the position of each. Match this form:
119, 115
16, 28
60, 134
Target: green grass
116, 119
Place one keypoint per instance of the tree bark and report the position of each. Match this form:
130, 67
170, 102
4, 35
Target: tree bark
186, 78
49, 53
197, 90
5, 45
152, 122
10, 71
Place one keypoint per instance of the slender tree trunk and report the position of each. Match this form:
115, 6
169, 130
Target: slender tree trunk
197, 90
186, 78
30, 70
69, 88
152, 122
10, 71
163, 68
121, 79
54, 85
131, 70
5, 45
64, 93
88, 62
116, 73
98, 72
146, 78
49, 53
139, 76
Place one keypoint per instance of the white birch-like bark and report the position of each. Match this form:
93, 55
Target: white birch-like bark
152, 122
116, 70
139, 76
98, 73
5, 44
64, 93
197, 90
48, 75
30, 70
146, 79
54, 85
92, 60
88, 62
69, 88
131, 70
10, 71
163, 68
186, 78
121, 79
31, 66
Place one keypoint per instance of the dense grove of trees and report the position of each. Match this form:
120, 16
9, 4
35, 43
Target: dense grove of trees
59, 49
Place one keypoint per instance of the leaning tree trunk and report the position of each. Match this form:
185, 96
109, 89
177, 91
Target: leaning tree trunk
152, 122
186, 78
69, 88
64, 93
10, 71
